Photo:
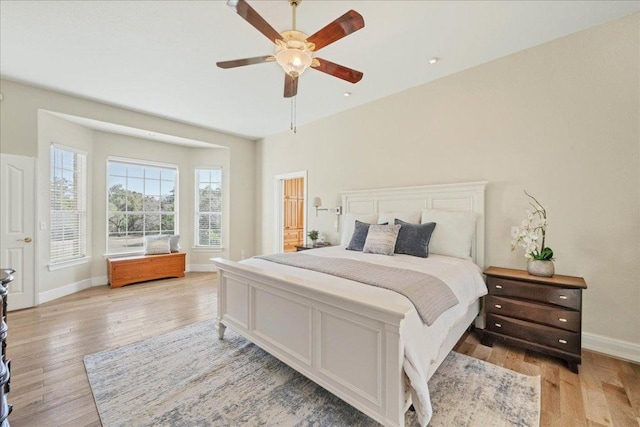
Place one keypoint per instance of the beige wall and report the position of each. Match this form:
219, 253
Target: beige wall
52, 129
559, 120
26, 130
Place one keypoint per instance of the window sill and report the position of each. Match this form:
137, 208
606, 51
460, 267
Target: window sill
66, 264
207, 249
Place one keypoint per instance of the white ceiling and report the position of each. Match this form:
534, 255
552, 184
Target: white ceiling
159, 56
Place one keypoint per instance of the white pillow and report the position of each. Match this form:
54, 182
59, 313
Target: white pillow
453, 234
390, 217
155, 245
350, 224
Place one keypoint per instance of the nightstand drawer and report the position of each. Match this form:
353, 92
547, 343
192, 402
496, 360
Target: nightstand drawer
571, 298
544, 335
539, 313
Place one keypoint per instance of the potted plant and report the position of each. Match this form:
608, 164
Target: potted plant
313, 235
528, 237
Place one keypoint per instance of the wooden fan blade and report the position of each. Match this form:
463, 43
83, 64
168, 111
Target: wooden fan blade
338, 71
246, 61
348, 23
249, 14
290, 86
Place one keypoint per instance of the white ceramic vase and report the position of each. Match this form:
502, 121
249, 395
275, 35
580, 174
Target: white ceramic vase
541, 268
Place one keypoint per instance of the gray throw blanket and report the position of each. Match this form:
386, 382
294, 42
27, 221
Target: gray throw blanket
430, 295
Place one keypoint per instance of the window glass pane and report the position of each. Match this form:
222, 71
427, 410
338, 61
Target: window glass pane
67, 193
135, 222
117, 169
167, 223
117, 182
216, 175
152, 204
141, 202
209, 207
168, 174
134, 242
117, 224
151, 222
135, 171
151, 187
135, 185
152, 173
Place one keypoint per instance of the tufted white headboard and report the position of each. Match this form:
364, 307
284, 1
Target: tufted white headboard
467, 196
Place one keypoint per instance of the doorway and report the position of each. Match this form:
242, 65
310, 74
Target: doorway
17, 228
291, 196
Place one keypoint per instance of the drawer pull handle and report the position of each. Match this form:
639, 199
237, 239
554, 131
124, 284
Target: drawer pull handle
562, 341
563, 297
498, 306
498, 325
563, 320
498, 286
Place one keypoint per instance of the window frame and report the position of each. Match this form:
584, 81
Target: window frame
196, 209
81, 196
143, 164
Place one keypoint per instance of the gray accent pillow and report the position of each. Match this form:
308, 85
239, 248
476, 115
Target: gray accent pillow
381, 239
413, 239
174, 243
359, 236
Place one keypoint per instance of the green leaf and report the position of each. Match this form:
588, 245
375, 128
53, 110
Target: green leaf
546, 254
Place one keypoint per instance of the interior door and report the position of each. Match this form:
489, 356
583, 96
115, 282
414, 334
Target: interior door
17, 227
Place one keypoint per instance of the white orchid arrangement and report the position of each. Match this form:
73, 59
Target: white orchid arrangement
529, 231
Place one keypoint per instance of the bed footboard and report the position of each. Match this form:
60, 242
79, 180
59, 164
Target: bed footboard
351, 349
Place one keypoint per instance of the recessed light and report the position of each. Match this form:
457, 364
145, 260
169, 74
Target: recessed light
347, 94
433, 60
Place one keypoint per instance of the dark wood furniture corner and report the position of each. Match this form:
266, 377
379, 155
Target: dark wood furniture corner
543, 314
6, 276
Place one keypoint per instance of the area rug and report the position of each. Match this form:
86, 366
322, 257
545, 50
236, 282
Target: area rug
190, 378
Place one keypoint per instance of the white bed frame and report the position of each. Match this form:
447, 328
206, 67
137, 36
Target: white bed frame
350, 348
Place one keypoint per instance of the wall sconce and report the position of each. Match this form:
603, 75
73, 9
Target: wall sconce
317, 203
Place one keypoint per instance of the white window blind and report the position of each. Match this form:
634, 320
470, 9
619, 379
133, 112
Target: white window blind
208, 217
142, 202
68, 236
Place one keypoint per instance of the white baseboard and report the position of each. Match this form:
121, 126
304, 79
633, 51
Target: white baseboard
201, 267
99, 281
65, 290
612, 347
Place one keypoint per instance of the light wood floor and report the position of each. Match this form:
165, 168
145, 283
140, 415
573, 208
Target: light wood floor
49, 386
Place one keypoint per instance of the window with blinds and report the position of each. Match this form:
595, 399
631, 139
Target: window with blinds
142, 202
67, 204
208, 216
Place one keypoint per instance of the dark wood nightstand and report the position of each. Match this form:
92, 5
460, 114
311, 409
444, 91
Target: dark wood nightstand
305, 247
543, 314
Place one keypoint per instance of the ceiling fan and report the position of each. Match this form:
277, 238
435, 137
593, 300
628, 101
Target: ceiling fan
294, 49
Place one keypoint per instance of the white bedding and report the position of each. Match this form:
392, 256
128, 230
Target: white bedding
422, 343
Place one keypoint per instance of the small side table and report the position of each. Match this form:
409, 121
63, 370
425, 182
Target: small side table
305, 247
543, 314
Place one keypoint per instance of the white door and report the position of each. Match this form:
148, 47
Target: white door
17, 227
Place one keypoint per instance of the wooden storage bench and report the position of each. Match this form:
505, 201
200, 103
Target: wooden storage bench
140, 268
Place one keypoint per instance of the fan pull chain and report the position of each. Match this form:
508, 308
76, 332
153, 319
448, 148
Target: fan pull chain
294, 118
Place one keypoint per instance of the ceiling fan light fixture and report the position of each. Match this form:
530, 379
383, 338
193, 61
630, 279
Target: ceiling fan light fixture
293, 52
293, 61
